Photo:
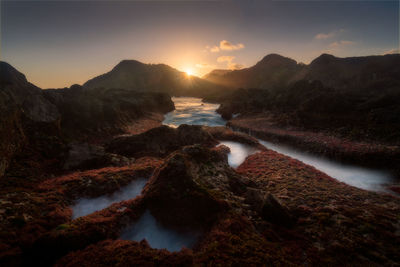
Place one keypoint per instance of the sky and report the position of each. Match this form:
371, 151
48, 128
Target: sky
60, 43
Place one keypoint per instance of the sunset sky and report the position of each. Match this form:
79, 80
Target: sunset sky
59, 43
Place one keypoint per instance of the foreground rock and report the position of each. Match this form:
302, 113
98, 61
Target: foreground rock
194, 189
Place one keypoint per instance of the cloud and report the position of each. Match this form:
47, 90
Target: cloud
392, 51
341, 43
225, 58
224, 45
214, 49
324, 36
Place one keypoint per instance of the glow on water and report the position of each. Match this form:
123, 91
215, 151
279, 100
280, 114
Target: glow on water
85, 206
191, 110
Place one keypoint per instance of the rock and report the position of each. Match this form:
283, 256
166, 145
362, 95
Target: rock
23, 112
160, 141
226, 134
177, 196
274, 212
85, 156
88, 112
255, 198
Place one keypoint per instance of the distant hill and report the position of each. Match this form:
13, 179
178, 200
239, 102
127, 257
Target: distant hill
132, 74
270, 72
275, 71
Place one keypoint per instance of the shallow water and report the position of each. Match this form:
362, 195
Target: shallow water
191, 110
157, 235
85, 206
239, 152
360, 177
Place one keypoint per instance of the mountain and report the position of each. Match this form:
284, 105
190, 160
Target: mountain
354, 72
132, 74
270, 72
275, 71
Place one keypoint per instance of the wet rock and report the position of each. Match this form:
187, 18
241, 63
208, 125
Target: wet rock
273, 211
226, 134
160, 141
85, 156
177, 196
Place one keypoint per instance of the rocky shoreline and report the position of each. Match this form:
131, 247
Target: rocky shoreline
272, 209
340, 149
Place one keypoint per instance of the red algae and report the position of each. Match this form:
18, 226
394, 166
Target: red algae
337, 224
362, 152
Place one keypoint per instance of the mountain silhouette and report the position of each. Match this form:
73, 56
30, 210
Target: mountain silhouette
132, 74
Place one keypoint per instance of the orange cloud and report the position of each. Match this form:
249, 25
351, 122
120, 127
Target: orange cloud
224, 45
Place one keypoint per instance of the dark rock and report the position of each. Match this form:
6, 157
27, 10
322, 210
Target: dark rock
160, 141
255, 198
176, 194
274, 212
85, 156
92, 112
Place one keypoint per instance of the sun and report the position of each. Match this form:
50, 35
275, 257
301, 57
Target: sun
189, 72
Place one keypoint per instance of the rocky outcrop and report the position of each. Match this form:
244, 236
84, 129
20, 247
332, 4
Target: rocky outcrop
24, 112
160, 141
88, 112
85, 156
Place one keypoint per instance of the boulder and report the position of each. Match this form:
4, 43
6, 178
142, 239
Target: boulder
160, 141
274, 212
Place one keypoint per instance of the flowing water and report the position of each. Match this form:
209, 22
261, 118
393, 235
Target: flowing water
191, 110
239, 152
157, 235
85, 206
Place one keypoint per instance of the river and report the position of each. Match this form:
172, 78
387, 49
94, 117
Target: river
190, 110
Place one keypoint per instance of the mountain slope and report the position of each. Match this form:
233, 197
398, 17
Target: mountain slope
271, 72
132, 74
275, 71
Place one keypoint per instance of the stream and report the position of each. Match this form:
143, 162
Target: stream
190, 110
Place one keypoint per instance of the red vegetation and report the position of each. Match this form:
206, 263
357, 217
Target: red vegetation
365, 153
337, 224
